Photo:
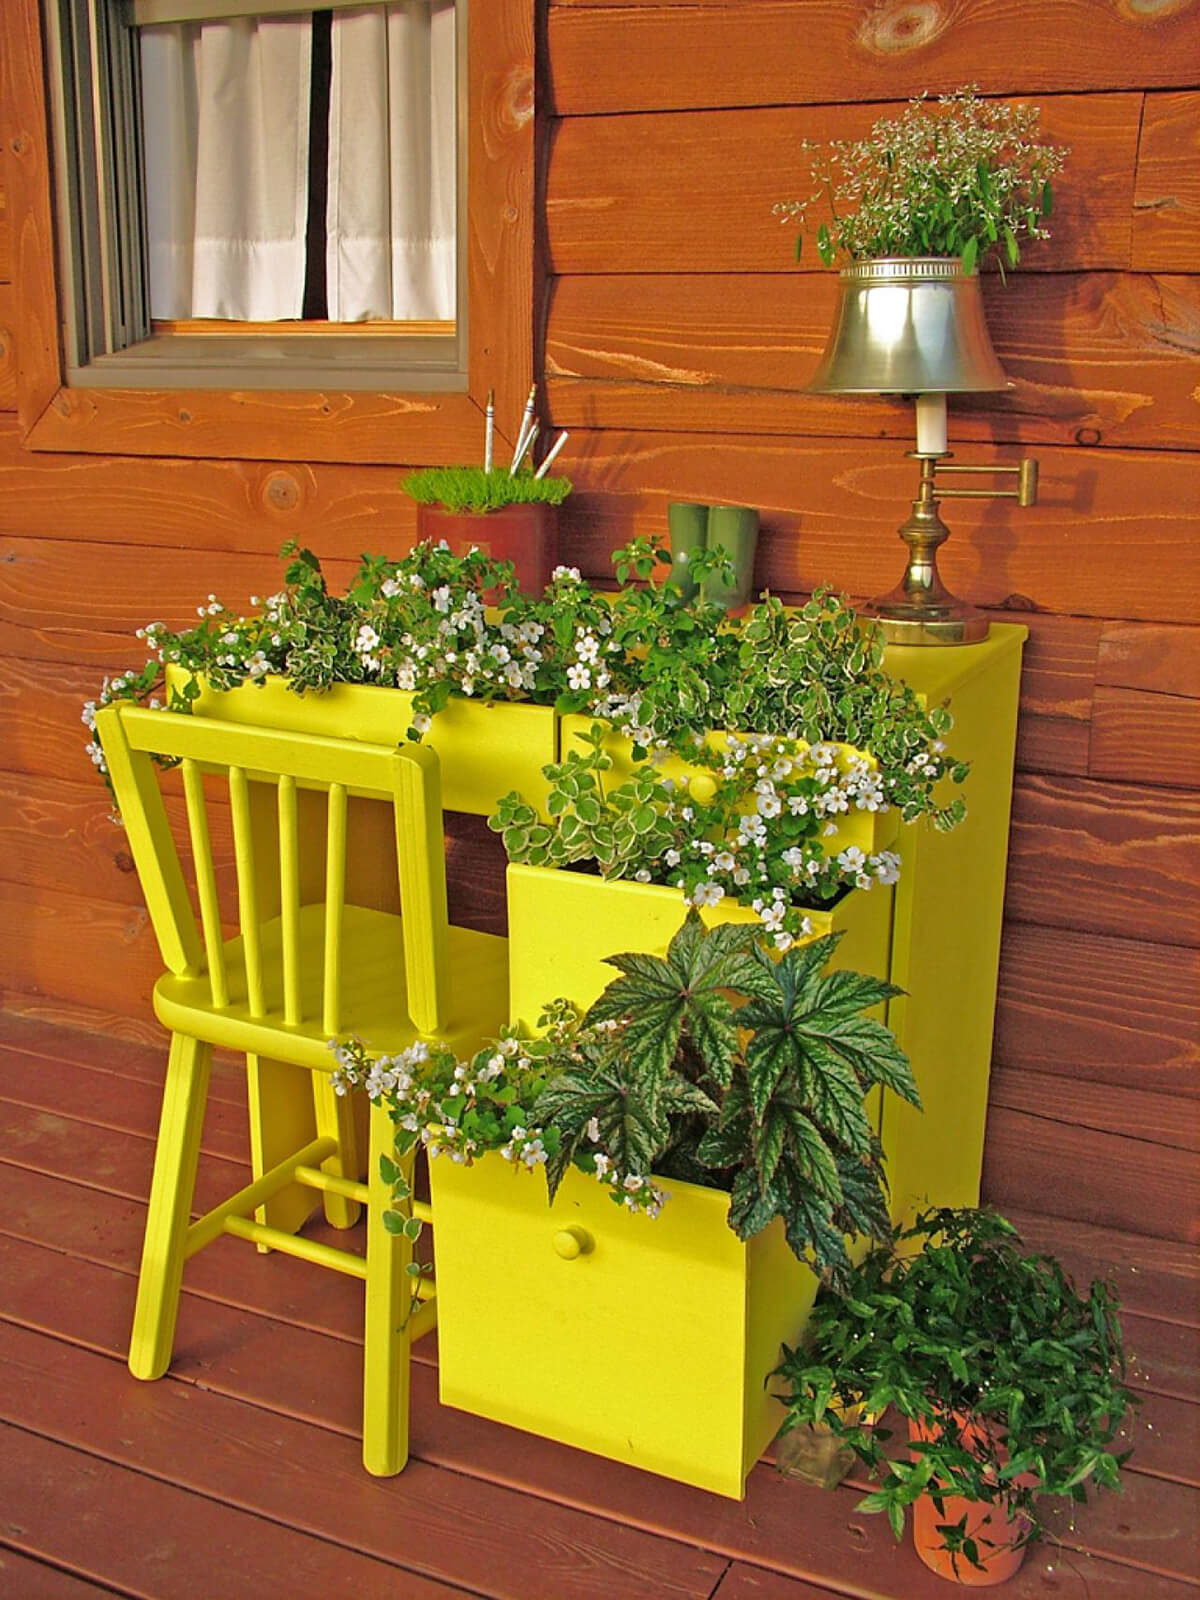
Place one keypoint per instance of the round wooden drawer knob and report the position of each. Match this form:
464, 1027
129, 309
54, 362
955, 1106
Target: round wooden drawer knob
571, 1242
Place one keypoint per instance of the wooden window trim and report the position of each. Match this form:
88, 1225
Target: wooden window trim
307, 424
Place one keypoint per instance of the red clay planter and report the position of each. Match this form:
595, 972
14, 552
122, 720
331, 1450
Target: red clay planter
526, 535
994, 1534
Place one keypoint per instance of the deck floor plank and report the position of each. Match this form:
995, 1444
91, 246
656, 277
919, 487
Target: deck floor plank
155, 1540
426, 1519
25, 1578
269, 1354
297, 1375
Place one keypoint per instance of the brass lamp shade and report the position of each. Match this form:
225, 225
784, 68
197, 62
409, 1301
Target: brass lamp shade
909, 325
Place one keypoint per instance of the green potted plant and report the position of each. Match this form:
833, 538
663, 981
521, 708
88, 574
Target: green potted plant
660, 811
708, 1135
510, 516
1008, 1378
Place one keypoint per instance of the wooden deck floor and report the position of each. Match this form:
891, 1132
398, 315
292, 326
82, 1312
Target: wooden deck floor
239, 1475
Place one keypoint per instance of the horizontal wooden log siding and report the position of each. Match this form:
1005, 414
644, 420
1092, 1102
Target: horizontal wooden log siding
677, 334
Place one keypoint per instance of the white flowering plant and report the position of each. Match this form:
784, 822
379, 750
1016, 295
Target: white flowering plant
664, 672
718, 1064
460, 1110
959, 176
751, 824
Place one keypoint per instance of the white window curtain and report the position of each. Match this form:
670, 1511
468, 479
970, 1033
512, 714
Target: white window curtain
226, 138
391, 218
225, 109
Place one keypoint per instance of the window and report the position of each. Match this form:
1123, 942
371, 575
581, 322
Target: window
220, 165
369, 390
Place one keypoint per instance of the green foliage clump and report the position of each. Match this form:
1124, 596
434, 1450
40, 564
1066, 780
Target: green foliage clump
721, 1065
717, 1064
750, 824
662, 671
474, 489
1013, 1376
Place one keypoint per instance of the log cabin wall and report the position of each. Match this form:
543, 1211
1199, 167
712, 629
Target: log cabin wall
674, 335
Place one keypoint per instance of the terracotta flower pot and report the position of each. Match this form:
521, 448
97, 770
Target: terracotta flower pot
526, 535
995, 1535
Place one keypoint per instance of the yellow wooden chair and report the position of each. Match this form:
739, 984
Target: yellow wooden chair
280, 990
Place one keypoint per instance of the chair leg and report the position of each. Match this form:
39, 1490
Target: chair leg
387, 1340
335, 1120
185, 1094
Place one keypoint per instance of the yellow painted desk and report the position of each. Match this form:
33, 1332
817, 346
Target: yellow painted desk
948, 904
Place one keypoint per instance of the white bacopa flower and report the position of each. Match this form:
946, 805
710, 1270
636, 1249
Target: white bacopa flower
707, 894
671, 857
724, 861
571, 573
579, 677
592, 1129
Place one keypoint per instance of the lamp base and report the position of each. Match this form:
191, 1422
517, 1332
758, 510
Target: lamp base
905, 622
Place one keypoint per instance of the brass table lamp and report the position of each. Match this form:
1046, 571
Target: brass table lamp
915, 326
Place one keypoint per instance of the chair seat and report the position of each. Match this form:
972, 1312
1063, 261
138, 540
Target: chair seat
373, 1000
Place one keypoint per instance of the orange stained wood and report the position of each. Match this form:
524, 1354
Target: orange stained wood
1097, 358
5, 235
381, 329
812, 51
8, 353
1100, 1007
724, 171
1166, 201
296, 425
831, 508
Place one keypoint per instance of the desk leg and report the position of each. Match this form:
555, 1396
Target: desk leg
282, 1119
945, 955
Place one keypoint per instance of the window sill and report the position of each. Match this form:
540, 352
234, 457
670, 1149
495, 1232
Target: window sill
285, 359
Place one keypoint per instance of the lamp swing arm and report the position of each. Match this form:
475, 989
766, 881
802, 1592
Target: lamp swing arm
1025, 472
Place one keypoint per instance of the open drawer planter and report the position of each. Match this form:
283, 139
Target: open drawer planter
650, 1345
587, 1324
485, 749
562, 925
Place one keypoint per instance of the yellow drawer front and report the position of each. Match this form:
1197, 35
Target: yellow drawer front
485, 750
562, 926
650, 1346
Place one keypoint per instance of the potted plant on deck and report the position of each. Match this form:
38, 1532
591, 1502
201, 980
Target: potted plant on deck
723, 1098
1008, 1379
